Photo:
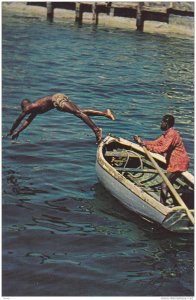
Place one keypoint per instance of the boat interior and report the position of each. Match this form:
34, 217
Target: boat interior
135, 166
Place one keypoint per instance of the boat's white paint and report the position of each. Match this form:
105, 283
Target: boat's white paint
127, 197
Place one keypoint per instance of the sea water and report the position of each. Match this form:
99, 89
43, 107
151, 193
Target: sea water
63, 234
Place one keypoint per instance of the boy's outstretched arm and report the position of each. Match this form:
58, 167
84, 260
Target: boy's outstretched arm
16, 123
24, 125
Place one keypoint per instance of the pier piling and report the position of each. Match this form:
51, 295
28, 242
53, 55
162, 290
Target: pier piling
78, 17
95, 14
50, 11
139, 17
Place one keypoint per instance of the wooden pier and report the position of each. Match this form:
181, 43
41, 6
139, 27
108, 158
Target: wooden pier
140, 11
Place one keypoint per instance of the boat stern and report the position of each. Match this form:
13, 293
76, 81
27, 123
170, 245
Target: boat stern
178, 221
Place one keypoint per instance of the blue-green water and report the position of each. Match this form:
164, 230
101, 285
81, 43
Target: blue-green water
63, 235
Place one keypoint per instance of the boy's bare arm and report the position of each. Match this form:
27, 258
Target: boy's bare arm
16, 123
24, 125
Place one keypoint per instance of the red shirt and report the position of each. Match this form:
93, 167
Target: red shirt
171, 146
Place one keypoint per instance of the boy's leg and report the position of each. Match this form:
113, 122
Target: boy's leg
70, 107
91, 112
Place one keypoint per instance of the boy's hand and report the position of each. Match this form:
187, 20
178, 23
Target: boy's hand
15, 136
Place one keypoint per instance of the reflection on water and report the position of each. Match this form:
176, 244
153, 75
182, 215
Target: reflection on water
63, 234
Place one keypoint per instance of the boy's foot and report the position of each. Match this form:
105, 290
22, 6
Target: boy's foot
109, 114
98, 134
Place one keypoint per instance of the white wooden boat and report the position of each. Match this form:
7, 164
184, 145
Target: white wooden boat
126, 172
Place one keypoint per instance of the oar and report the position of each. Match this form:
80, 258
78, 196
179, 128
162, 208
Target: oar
170, 186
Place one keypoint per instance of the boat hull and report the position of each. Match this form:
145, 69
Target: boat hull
129, 199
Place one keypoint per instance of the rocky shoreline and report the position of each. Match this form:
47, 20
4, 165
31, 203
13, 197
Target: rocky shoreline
178, 26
